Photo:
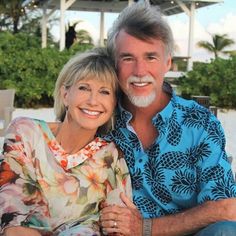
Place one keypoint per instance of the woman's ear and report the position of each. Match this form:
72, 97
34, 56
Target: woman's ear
64, 93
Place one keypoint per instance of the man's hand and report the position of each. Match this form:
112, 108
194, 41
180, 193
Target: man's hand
124, 220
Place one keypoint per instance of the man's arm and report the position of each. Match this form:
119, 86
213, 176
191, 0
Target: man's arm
130, 221
194, 219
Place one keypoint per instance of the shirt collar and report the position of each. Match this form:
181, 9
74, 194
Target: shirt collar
164, 115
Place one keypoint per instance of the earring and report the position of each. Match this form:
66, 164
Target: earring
112, 122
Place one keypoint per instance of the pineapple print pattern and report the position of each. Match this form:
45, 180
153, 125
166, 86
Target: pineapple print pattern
146, 205
183, 182
196, 117
125, 147
137, 182
185, 166
223, 189
198, 153
215, 134
174, 131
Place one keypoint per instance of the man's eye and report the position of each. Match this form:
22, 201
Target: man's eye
151, 58
127, 59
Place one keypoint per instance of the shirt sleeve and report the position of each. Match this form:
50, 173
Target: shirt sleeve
120, 180
21, 197
216, 180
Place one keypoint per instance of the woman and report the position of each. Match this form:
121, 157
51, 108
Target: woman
55, 175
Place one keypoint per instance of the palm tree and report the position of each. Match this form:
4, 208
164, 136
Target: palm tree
219, 43
232, 53
71, 35
11, 11
83, 37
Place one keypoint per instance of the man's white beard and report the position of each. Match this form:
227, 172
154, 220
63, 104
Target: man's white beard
141, 101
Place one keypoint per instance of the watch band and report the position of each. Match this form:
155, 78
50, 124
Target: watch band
147, 227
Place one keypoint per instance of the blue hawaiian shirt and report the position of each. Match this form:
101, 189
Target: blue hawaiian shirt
185, 166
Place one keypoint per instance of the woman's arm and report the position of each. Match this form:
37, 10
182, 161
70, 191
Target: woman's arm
21, 199
20, 231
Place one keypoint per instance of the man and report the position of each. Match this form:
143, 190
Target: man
182, 180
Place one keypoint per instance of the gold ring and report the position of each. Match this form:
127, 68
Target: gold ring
115, 224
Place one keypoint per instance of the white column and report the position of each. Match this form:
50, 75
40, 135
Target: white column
62, 25
130, 2
65, 4
191, 36
44, 27
101, 43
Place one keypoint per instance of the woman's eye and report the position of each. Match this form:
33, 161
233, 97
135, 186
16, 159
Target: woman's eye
105, 92
83, 88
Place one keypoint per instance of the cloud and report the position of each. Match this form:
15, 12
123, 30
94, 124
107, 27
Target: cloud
90, 28
71, 19
225, 25
180, 28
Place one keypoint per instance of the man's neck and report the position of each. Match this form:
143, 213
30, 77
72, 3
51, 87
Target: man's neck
142, 119
147, 113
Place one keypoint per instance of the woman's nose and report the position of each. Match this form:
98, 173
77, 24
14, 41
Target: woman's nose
93, 98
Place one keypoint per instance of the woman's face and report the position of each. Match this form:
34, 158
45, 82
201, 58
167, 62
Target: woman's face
90, 102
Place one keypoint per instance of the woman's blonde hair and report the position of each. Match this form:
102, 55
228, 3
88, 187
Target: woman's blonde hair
96, 64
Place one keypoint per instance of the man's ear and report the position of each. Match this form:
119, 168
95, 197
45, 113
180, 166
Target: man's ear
168, 63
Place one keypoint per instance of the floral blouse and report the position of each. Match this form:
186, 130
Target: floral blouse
43, 187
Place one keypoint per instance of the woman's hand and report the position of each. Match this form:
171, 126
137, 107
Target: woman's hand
121, 220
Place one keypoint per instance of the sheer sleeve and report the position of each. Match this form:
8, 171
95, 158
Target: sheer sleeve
21, 200
121, 181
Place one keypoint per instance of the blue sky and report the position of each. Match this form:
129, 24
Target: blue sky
216, 12
217, 18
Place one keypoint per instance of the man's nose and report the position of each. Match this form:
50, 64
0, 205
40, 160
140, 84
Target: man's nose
140, 69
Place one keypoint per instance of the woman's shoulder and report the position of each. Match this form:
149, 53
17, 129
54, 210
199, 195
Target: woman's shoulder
25, 126
111, 147
104, 143
25, 121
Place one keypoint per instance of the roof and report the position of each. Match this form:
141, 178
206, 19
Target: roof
168, 7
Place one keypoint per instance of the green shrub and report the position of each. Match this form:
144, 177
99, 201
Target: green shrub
30, 70
216, 79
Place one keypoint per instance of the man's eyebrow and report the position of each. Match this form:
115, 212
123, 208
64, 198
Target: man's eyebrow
152, 54
125, 54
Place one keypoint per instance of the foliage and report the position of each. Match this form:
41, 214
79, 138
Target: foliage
84, 37
32, 26
216, 79
15, 18
32, 71
12, 43
77, 37
11, 12
218, 45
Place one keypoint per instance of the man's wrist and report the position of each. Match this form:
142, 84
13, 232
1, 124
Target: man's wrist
147, 227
